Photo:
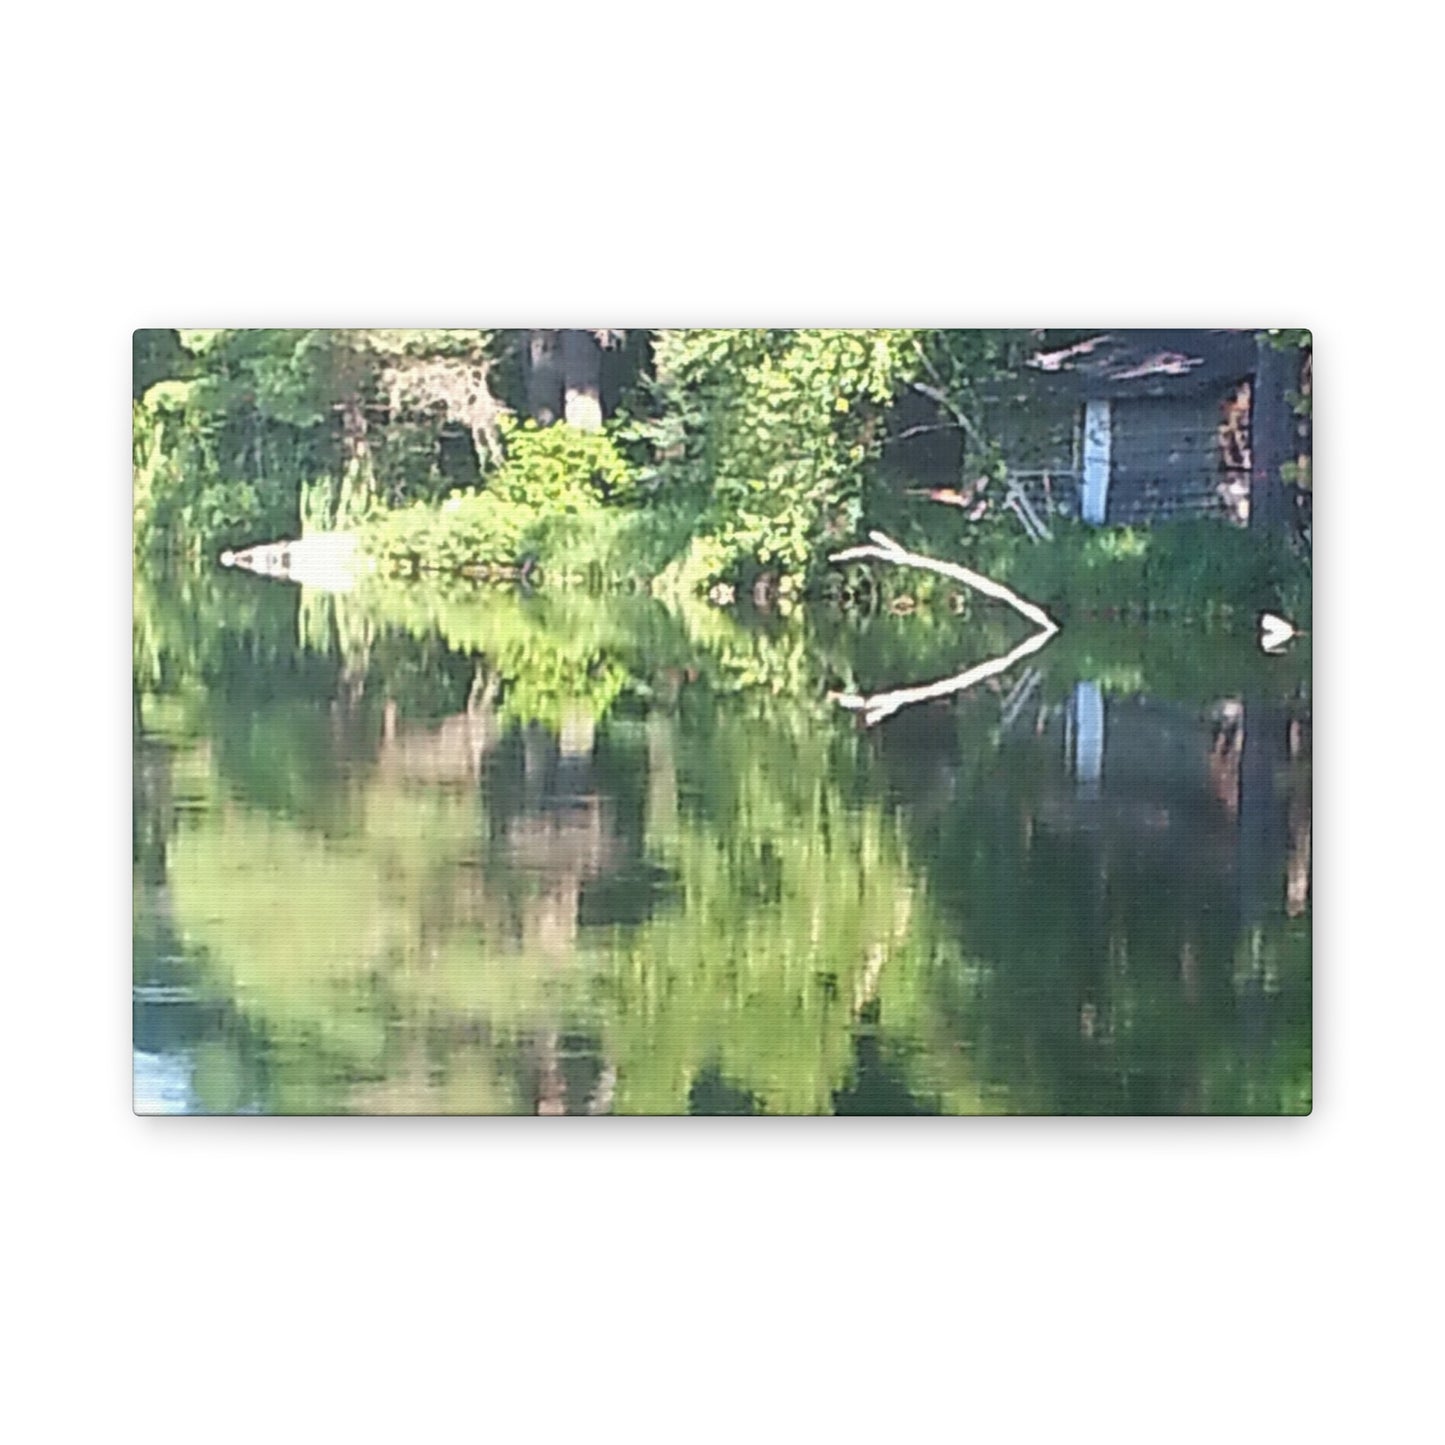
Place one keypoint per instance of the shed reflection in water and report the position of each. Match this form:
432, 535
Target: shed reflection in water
420, 852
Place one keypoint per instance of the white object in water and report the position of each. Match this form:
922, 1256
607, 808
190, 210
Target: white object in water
326, 561
1275, 631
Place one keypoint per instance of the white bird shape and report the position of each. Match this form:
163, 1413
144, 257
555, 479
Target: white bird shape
1276, 631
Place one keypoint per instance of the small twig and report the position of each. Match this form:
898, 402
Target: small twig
937, 394
917, 431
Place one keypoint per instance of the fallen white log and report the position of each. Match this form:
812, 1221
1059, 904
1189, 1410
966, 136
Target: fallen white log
885, 549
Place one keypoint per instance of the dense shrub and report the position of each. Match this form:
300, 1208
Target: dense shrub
773, 430
184, 503
470, 529
561, 468
559, 499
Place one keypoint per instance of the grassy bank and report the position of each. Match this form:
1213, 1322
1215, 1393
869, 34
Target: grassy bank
483, 534
1198, 571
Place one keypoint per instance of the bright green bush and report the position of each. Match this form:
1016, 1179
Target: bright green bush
559, 499
561, 468
184, 504
469, 529
776, 428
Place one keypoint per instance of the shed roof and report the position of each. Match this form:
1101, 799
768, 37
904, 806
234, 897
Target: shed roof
1136, 363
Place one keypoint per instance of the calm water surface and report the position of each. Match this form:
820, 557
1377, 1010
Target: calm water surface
418, 851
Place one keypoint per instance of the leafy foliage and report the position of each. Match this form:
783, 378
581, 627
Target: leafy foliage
775, 429
247, 435
561, 468
551, 475
185, 500
468, 530
744, 461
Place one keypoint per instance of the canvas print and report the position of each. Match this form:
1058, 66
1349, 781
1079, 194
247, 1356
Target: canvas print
722, 721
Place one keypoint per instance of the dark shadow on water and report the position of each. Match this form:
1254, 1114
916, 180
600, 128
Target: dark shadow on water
878, 1085
712, 1094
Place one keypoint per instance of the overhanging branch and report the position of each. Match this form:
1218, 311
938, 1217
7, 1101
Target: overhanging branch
885, 549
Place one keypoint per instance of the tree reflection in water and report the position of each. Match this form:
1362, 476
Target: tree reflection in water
417, 851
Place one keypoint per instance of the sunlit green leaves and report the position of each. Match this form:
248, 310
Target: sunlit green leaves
779, 425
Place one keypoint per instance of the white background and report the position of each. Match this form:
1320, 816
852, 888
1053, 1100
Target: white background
301, 1280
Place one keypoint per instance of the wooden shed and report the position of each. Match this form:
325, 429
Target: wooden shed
1132, 426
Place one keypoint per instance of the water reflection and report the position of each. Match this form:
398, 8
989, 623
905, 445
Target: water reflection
410, 851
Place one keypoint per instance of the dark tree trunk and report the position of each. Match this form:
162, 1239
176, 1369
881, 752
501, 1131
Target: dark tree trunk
582, 370
1272, 436
156, 354
542, 362
622, 363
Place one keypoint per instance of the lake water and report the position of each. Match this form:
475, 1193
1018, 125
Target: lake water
458, 851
